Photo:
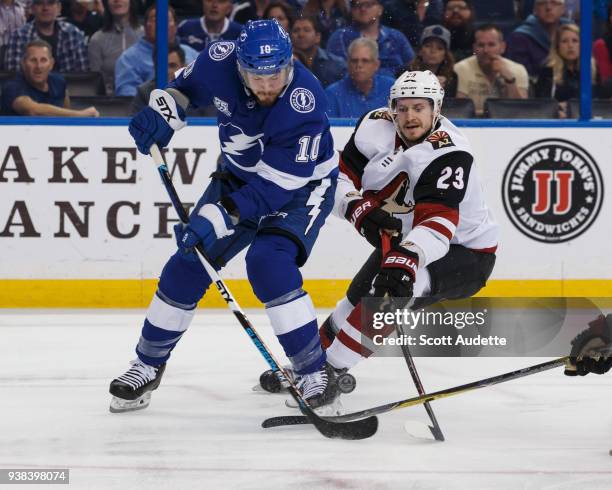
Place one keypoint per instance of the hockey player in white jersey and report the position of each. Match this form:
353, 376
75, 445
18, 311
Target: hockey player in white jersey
407, 170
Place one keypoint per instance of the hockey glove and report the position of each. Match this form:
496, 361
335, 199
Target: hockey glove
584, 357
210, 224
370, 220
157, 122
397, 273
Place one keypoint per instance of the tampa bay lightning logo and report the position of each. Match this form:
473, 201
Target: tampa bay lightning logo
221, 50
302, 100
242, 150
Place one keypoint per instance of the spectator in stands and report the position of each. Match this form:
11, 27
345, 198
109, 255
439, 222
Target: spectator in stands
37, 91
214, 25
434, 55
393, 47
86, 15
282, 12
560, 75
120, 29
411, 16
459, 20
529, 44
487, 74
602, 52
12, 17
135, 66
248, 10
363, 89
306, 39
69, 46
332, 14
176, 61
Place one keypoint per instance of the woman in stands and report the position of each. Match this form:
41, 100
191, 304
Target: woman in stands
434, 55
282, 12
120, 30
559, 76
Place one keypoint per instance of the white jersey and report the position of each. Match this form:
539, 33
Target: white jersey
432, 186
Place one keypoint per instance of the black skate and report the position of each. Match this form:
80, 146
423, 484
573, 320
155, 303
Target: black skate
132, 390
320, 389
269, 382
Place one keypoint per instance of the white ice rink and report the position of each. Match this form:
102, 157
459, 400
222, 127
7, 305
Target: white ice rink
203, 431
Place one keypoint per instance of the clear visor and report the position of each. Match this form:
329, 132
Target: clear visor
255, 78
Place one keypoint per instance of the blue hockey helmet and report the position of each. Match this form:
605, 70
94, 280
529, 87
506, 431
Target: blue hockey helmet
263, 47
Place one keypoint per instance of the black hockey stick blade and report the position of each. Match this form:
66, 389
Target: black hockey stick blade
354, 430
284, 420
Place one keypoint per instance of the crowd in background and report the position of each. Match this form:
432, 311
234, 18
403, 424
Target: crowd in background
480, 50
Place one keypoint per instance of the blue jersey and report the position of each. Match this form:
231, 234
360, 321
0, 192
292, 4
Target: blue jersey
275, 150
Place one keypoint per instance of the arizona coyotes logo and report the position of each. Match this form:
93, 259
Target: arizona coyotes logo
440, 139
552, 190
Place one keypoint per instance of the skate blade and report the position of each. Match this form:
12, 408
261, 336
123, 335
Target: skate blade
258, 389
329, 410
119, 405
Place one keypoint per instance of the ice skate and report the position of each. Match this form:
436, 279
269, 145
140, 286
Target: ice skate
269, 382
132, 390
321, 391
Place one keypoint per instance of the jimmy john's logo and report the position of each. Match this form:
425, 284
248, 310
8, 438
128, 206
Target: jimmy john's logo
381, 114
552, 190
440, 139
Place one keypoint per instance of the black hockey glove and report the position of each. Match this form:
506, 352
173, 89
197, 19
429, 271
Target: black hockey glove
397, 273
584, 357
367, 216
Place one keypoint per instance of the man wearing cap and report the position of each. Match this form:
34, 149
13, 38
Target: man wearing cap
529, 43
487, 74
67, 42
394, 50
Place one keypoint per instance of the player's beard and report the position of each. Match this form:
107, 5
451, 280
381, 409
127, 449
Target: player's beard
266, 99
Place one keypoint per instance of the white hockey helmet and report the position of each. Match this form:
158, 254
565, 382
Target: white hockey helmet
418, 85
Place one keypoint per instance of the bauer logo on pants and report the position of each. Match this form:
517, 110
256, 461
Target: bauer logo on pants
552, 190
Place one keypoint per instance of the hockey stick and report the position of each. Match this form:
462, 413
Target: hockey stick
419, 400
360, 429
435, 429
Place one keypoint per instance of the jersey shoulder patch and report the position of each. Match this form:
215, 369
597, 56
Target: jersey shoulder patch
381, 114
440, 139
220, 50
302, 100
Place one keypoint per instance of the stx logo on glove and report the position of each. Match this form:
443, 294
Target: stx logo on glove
359, 210
164, 108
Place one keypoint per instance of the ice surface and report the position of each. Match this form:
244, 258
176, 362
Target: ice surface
202, 429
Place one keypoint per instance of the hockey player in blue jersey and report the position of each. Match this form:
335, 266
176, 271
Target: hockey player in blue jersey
272, 193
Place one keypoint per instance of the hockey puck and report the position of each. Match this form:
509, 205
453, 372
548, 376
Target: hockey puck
270, 382
346, 383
